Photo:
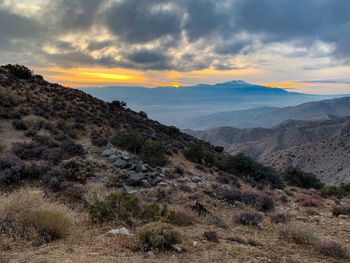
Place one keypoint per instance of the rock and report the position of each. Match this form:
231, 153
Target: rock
119, 231
196, 179
166, 171
151, 254
109, 146
126, 156
162, 184
113, 158
120, 163
145, 184
237, 203
138, 166
135, 179
129, 190
157, 180
194, 243
343, 216
107, 153
181, 180
177, 248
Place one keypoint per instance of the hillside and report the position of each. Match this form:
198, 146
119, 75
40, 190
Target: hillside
181, 106
83, 180
296, 143
267, 117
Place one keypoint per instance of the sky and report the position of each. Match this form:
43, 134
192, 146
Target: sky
300, 45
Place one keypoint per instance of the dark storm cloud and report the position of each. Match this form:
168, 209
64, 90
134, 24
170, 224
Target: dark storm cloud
16, 28
140, 21
150, 34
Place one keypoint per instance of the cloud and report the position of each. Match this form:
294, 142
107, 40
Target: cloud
181, 35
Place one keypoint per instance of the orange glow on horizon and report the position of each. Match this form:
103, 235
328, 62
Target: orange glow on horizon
285, 84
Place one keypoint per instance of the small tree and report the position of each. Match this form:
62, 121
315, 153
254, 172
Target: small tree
153, 152
297, 177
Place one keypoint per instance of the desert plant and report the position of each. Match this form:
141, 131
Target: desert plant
182, 217
98, 140
158, 237
249, 218
296, 177
129, 141
298, 233
78, 169
169, 130
246, 167
28, 150
153, 153
197, 154
156, 212
337, 191
280, 218
332, 248
19, 71
115, 207
211, 236
20, 125
11, 171
27, 214
72, 148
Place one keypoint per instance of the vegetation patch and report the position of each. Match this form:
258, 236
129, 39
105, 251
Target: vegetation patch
78, 169
249, 218
296, 177
337, 191
158, 237
332, 248
153, 153
298, 233
197, 154
115, 207
19, 71
130, 141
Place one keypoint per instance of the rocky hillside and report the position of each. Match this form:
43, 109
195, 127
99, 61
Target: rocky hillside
83, 180
290, 143
267, 117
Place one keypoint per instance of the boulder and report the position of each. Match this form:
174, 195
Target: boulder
119, 231
113, 158
129, 190
120, 163
135, 179
107, 152
196, 179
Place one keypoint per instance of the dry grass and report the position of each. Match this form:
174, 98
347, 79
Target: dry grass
299, 234
95, 193
27, 214
183, 217
332, 248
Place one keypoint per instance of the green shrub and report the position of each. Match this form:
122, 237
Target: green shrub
296, 177
129, 141
115, 207
19, 71
249, 218
246, 167
158, 237
153, 153
197, 154
337, 191
169, 130
156, 212
78, 169
50, 225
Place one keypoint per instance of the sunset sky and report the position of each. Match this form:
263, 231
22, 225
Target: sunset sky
301, 45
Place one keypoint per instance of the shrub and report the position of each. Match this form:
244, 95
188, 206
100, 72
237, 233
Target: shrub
156, 212
8, 99
27, 214
265, 204
211, 236
98, 141
19, 71
169, 130
72, 148
309, 200
50, 225
118, 104
78, 169
197, 154
332, 248
11, 171
158, 237
281, 218
28, 150
20, 125
129, 141
296, 177
183, 217
249, 218
115, 207
337, 191
153, 153
245, 166
341, 210
298, 234
2, 148
45, 140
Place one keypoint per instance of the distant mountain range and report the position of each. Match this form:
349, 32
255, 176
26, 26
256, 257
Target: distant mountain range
320, 144
267, 117
181, 106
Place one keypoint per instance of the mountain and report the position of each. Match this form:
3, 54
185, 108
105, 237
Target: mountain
318, 146
267, 117
178, 106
